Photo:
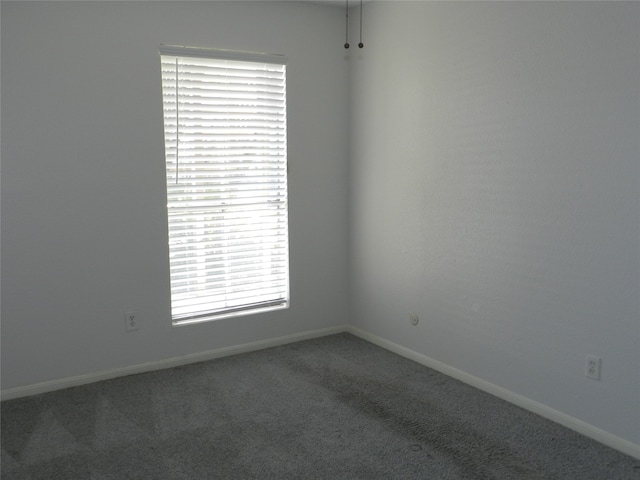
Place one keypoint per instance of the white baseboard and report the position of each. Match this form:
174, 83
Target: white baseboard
59, 384
563, 419
579, 426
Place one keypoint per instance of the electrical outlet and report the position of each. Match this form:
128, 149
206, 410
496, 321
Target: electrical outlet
594, 365
130, 321
413, 318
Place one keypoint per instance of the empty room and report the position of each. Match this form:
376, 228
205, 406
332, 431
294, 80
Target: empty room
320, 239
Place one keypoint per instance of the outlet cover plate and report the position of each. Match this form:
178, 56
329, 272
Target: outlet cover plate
593, 367
131, 321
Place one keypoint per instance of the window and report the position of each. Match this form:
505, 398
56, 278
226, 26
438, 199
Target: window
226, 161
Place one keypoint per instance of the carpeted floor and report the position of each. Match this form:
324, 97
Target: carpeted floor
330, 408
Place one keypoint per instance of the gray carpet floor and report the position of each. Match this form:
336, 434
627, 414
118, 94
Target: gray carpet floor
336, 407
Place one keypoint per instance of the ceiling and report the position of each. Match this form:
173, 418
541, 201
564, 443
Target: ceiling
337, 3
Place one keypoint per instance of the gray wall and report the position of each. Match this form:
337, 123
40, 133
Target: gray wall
83, 190
495, 191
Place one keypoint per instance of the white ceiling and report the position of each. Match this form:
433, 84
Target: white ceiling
336, 3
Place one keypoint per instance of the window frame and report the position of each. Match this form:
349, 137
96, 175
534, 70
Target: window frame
274, 295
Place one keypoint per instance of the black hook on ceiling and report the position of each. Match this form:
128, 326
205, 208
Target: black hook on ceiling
360, 45
346, 43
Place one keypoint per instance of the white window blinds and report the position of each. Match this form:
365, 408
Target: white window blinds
226, 163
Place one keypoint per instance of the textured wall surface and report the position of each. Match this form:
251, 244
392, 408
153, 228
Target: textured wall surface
83, 189
495, 191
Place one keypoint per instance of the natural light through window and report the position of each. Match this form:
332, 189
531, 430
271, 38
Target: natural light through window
226, 163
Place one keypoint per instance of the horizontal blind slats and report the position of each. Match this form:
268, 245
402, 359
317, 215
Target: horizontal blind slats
223, 286
229, 294
225, 146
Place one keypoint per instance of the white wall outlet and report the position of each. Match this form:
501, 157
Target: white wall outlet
130, 321
413, 318
593, 367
